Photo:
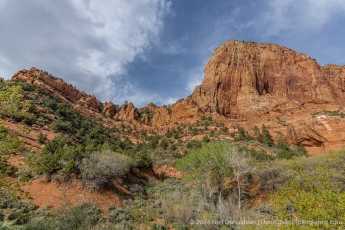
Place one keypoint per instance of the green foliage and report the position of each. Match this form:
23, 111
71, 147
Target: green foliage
42, 138
79, 217
257, 134
164, 144
206, 139
53, 156
153, 142
311, 198
334, 113
193, 144
209, 163
17, 212
99, 168
120, 216
285, 154
12, 103
9, 144
146, 111
260, 155
266, 136
243, 135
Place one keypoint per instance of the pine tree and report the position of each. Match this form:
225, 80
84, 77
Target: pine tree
257, 134
266, 136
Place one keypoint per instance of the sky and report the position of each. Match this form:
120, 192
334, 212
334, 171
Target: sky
155, 50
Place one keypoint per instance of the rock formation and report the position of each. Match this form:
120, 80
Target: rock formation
128, 112
245, 84
245, 76
58, 86
252, 84
109, 109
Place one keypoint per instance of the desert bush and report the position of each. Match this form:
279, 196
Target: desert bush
243, 135
99, 168
265, 209
164, 144
120, 216
260, 155
42, 138
153, 142
12, 103
285, 154
82, 216
53, 156
193, 144
19, 212
266, 136
178, 207
206, 139
272, 175
157, 226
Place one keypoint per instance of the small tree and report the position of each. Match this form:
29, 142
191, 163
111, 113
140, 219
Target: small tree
208, 166
257, 134
42, 138
240, 162
266, 136
99, 168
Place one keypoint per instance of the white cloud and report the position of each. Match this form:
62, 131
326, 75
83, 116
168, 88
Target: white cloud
194, 77
125, 26
83, 41
300, 15
170, 100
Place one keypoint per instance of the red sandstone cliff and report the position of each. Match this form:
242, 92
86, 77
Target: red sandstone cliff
247, 76
288, 91
58, 86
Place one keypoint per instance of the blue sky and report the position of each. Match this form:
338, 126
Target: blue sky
155, 50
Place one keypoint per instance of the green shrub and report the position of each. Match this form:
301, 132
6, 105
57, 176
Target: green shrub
193, 144
42, 138
99, 168
206, 139
164, 144
284, 154
260, 155
82, 216
119, 215
266, 136
53, 156
310, 198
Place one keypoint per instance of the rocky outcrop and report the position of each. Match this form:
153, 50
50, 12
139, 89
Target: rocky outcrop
185, 110
246, 76
109, 109
128, 112
161, 115
59, 87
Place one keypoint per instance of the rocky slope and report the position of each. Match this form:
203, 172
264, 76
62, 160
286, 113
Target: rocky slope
245, 84
287, 90
59, 87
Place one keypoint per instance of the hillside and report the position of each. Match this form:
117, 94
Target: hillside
259, 114
246, 84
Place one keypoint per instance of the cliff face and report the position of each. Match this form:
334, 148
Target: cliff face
245, 76
58, 86
289, 92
